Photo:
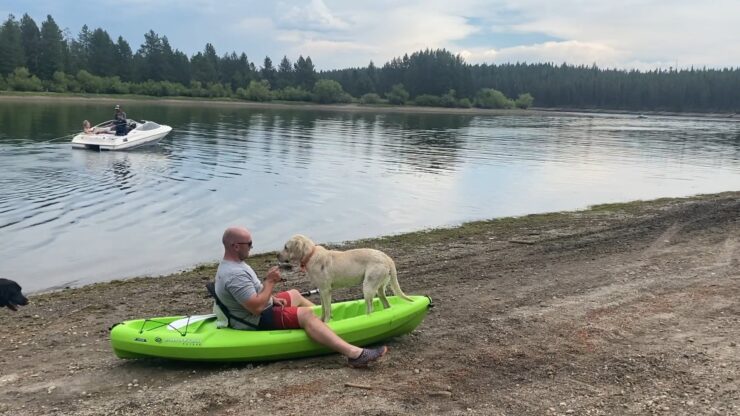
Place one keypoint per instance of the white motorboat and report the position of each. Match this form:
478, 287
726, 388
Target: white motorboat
103, 136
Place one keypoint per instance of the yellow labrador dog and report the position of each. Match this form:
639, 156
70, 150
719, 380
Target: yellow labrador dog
332, 269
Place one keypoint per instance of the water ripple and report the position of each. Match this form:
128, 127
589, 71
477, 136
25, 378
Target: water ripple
334, 176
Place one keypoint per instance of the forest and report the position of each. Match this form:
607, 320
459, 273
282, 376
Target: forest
47, 59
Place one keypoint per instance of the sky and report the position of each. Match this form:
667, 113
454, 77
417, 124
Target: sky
625, 34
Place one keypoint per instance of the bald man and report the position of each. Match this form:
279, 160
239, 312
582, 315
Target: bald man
255, 308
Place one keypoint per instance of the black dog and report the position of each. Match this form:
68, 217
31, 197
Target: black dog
10, 295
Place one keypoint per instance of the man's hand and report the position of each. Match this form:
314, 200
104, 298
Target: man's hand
278, 301
273, 275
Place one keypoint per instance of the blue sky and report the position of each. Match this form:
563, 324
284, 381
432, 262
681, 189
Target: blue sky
336, 34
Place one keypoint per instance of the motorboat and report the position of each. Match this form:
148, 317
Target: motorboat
138, 133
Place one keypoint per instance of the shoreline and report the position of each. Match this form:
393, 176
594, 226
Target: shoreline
294, 105
626, 308
268, 257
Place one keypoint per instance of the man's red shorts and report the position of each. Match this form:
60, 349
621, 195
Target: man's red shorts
280, 317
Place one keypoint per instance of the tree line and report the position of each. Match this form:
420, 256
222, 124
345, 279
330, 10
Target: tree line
44, 58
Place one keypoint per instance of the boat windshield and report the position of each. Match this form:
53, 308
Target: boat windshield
148, 125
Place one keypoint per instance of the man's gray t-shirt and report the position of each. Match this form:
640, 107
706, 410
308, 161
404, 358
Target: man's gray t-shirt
236, 282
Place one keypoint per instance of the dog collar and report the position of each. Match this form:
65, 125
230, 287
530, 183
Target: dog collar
305, 260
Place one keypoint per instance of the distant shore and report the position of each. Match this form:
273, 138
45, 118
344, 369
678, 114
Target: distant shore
6, 96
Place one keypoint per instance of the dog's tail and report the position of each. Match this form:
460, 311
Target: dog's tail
394, 283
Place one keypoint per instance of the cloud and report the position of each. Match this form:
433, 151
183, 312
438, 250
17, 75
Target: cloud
337, 34
313, 16
572, 52
377, 34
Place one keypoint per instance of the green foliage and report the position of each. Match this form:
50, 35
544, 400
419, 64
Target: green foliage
88, 82
114, 85
3, 84
159, 88
22, 80
448, 100
370, 98
217, 89
293, 94
256, 91
11, 47
397, 95
327, 91
197, 90
427, 100
490, 98
524, 101
59, 82
464, 103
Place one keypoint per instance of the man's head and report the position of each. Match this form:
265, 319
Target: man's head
118, 107
237, 243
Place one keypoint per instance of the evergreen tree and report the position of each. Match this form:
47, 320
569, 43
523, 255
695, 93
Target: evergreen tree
284, 73
123, 60
80, 50
268, 72
205, 65
51, 50
101, 54
304, 73
31, 41
151, 58
11, 47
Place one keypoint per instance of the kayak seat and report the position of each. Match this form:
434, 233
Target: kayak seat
211, 288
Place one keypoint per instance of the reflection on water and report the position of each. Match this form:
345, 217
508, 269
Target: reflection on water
71, 217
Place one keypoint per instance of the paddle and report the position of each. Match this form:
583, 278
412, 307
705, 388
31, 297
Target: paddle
310, 292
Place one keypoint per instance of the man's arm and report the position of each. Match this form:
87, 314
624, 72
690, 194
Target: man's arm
257, 302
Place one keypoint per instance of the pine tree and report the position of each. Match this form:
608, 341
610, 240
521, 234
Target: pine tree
268, 72
284, 73
11, 47
31, 41
51, 51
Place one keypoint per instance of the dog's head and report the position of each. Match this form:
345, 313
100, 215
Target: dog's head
295, 248
11, 295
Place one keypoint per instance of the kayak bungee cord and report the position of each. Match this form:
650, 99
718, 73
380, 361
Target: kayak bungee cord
168, 324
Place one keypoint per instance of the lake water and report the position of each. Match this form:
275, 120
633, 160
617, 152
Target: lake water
69, 217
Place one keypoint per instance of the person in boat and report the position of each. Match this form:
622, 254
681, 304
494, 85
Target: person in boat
87, 128
119, 116
254, 307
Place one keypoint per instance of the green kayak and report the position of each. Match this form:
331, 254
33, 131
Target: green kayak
196, 338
